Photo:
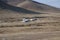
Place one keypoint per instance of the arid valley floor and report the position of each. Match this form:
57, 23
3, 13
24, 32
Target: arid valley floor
46, 27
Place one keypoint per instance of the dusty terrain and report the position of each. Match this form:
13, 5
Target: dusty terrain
46, 27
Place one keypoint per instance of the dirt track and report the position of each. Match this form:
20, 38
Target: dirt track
31, 36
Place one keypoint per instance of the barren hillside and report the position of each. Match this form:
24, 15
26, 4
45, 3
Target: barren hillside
13, 2
35, 6
32, 5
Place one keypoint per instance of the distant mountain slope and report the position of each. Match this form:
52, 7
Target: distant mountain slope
32, 5
13, 8
13, 2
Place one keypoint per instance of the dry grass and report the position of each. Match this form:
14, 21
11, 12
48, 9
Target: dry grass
44, 23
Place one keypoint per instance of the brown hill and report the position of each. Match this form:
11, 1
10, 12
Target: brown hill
32, 5
35, 6
13, 2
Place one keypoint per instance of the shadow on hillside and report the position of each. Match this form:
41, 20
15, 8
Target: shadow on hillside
17, 9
